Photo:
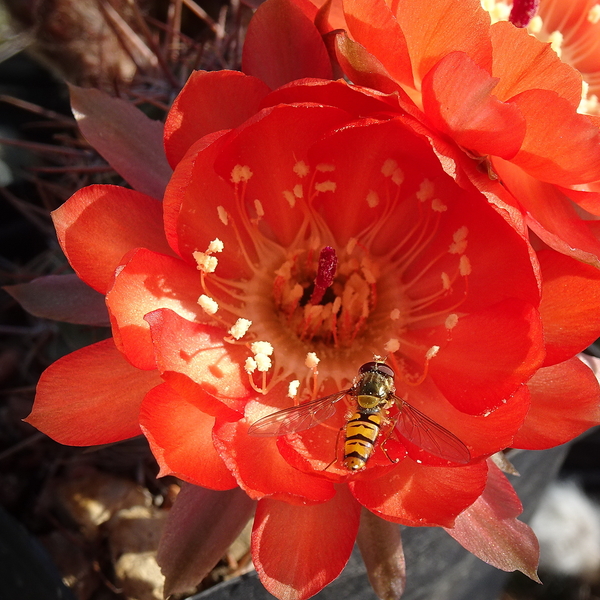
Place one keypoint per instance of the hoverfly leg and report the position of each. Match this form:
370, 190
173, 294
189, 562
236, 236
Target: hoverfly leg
387, 437
337, 443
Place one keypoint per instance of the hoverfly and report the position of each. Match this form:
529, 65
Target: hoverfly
373, 391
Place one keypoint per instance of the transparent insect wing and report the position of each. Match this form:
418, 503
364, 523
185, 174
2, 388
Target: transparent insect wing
428, 435
297, 418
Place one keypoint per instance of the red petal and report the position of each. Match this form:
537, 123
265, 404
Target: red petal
362, 68
434, 29
561, 146
565, 402
130, 141
551, 214
489, 530
586, 195
197, 351
149, 281
227, 98
569, 307
62, 298
283, 44
373, 26
272, 145
332, 11
180, 436
91, 396
381, 548
483, 435
476, 376
298, 550
419, 495
191, 204
243, 453
200, 527
99, 224
537, 67
353, 99
457, 97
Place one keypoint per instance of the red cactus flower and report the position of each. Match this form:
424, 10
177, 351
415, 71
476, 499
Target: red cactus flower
216, 322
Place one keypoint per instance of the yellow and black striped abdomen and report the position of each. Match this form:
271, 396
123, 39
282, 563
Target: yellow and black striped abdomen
361, 433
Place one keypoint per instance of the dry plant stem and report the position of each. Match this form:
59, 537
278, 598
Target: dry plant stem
155, 48
40, 147
173, 40
34, 108
200, 12
128, 38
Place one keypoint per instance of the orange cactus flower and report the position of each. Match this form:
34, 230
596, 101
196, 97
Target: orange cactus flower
216, 322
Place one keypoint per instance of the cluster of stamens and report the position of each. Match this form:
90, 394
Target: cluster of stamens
319, 303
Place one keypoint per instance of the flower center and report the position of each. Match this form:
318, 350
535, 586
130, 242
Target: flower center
316, 303
321, 305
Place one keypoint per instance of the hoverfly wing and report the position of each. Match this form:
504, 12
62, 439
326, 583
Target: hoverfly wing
297, 418
428, 435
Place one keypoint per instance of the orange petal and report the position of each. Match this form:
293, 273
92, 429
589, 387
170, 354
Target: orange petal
537, 66
434, 29
565, 402
180, 436
476, 381
457, 97
362, 68
197, 350
298, 550
149, 281
355, 100
551, 215
227, 99
419, 495
483, 435
193, 201
99, 224
569, 308
581, 36
373, 25
586, 195
271, 145
91, 396
561, 146
243, 455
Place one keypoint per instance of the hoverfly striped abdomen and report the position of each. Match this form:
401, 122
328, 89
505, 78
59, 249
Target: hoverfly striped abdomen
361, 433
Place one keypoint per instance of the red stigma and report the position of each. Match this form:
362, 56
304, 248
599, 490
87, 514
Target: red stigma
523, 11
325, 273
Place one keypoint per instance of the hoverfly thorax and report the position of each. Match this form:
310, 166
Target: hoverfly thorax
374, 386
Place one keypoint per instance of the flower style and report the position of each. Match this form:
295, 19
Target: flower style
220, 314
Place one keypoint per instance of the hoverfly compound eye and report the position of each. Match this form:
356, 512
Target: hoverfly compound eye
378, 367
383, 368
